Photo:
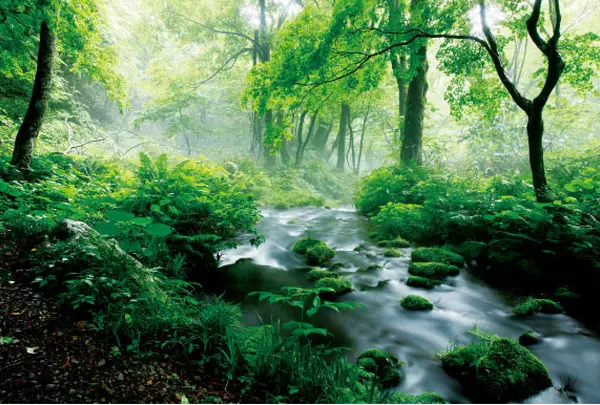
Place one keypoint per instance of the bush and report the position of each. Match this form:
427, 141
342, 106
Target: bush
433, 270
395, 243
302, 245
416, 303
393, 253
382, 365
338, 285
533, 306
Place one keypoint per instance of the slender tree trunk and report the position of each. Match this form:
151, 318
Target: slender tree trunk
285, 152
535, 134
303, 145
265, 56
412, 137
344, 118
398, 59
299, 137
362, 139
34, 118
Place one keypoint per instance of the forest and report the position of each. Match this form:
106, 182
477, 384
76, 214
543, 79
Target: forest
299, 201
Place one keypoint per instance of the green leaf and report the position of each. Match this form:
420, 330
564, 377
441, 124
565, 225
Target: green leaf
106, 228
312, 312
120, 216
142, 221
159, 230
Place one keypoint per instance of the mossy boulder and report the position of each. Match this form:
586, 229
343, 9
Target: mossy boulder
382, 365
320, 254
362, 247
433, 270
337, 266
370, 268
394, 243
393, 252
499, 371
339, 285
563, 293
416, 303
302, 245
316, 275
530, 338
424, 398
437, 255
422, 282
536, 305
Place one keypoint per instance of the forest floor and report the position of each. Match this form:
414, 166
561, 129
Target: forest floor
48, 357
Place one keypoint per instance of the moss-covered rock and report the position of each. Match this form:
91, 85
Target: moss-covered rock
530, 338
381, 364
394, 243
337, 266
393, 252
563, 293
370, 268
316, 274
302, 245
499, 371
339, 285
433, 270
424, 398
320, 254
416, 303
437, 255
535, 305
422, 282
362, 247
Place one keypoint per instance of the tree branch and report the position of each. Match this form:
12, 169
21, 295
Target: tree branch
216, 30
222, 68
532, 23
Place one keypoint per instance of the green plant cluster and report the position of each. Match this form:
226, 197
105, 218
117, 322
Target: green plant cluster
496, 224
533, 306
416, 303
316, 251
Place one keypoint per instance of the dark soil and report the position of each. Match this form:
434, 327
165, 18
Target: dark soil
49, 357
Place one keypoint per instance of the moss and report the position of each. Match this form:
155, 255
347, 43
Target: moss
316, 275
534, 305
369, 268
362, 247
530, 338
395, 243
424, 398
393, 252
320, 254
565, 293
437, 255
416, 303
433, 270
381, 364
500, 371
337, 266
422, 282
302, 245
339, 285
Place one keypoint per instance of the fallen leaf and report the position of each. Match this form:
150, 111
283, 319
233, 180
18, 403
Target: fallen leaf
32, 350
101, 363
149, 382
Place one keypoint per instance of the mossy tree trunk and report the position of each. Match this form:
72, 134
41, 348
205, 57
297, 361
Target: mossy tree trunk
34, 118
341, 145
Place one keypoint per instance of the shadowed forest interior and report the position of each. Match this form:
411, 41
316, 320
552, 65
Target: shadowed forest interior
299, 201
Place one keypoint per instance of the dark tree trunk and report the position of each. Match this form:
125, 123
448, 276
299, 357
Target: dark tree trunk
535, 134
362, 139
265, 56
299, 137
341, 146
34, 118
285, 152
412, 137
268, 151
303, 145
321, 137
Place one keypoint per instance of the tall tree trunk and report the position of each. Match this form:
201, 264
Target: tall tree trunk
397, 59
344, 119
412, 136
265, 56
285, 152
34, 118
257, 144
319, 141
299, 137
362, 139
535, 134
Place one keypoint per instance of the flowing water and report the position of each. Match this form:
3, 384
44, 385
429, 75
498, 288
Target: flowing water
568, 349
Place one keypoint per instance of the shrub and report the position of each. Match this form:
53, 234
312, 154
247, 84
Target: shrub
421, 282
405, 220
433, 270
315, 275
302, 245
416, 303
533, 306
395, 243
320, 254
437, 255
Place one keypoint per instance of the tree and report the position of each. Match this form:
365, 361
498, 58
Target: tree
80, 48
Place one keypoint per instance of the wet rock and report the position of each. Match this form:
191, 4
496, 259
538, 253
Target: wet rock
530, 338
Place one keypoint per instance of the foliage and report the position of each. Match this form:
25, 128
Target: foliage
319, 255
433, 270
437, 255
393, 252
534, 305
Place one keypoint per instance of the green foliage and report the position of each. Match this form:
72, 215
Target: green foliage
395, 243
393, 252
320, 254
437, 255
315, 275
416, 303
302, 245
433, 270
334, 285
497, 369
382, 365
422, 282
534, 305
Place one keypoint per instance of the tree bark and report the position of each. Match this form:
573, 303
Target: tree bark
412, 136
34, 118
398, 60
344, 119
535, 134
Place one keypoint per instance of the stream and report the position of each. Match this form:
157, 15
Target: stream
569, 350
